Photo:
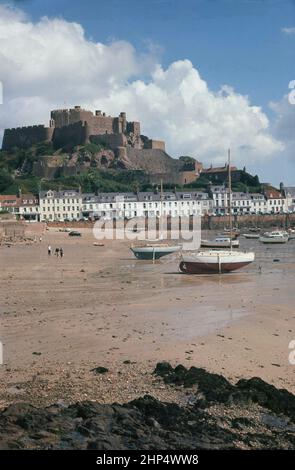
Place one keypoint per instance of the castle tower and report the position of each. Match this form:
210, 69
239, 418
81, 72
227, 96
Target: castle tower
86, 132
123, 122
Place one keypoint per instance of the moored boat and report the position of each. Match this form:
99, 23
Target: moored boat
215, 261
251, 236
235, 233
154, 251
220, 242
277, 236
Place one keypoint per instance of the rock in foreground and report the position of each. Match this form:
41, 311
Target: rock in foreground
217, 415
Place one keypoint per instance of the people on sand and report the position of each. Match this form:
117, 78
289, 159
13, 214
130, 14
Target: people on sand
57, 252
49, 250
61, 252
40, 239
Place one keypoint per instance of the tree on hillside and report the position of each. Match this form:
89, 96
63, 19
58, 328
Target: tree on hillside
6, 180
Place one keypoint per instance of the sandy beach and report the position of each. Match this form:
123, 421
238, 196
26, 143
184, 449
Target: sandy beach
99, 306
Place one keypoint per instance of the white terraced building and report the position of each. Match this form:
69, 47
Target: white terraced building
276, 202
241, 203
272, 202
60, 205
220, 198
72, 205
258, 203
289, 193
145, 204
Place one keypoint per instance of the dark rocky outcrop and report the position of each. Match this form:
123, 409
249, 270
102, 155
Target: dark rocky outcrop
249, 415
99, 370
215, 388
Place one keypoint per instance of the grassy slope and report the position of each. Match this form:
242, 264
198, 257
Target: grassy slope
91, 180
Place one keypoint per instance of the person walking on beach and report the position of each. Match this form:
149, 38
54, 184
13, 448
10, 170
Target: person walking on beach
49, 250
61, 252
40, 239
57, 252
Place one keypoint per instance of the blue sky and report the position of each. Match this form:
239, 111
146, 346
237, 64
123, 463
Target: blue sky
234, 42
230, 41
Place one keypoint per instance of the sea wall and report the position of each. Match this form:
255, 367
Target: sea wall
244, 221
213, 223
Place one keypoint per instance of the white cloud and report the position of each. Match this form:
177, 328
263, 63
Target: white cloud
50, 64
283, 128
289, 31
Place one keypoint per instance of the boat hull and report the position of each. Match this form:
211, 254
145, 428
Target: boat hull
215, 262
251, 236
150, 253
272, 241
210, 268
212, 244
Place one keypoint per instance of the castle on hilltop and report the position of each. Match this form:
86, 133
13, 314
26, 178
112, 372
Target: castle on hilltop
121, 142
78, 126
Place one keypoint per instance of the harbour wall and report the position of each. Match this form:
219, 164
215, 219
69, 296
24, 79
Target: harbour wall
214, 223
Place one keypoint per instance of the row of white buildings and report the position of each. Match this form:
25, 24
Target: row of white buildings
73, 205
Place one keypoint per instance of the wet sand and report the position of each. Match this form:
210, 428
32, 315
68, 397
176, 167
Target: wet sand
98, 306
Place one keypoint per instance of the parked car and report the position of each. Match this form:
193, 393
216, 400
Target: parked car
74, 233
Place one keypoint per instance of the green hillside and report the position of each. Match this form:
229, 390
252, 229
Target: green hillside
16, 173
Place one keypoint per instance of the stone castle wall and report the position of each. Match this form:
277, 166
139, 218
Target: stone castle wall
74, 126
111, 141
25, 137
70, 128
98, 123
155, 144
75, 134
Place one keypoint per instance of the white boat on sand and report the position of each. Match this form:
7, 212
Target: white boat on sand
251, 236
154, 251
277, 236
158, 249
220, 242
215, 261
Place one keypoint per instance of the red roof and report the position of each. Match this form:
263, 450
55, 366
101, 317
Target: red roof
9, 200
219, 169
272, 193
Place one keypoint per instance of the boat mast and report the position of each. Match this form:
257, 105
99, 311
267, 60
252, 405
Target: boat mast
229, 203
161, 209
